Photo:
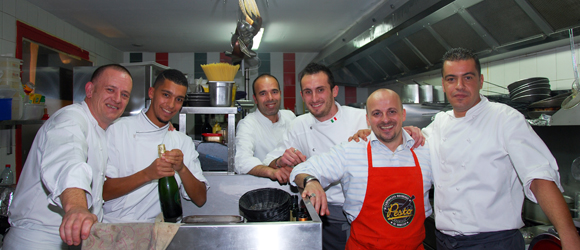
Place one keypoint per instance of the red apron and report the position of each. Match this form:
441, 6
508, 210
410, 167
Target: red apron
392, 214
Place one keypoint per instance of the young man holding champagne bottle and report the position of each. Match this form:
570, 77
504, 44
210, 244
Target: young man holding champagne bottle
134, 170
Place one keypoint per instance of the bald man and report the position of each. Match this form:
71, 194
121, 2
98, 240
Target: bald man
383, 180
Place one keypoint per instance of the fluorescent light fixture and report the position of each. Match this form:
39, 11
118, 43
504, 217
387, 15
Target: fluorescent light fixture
258, 39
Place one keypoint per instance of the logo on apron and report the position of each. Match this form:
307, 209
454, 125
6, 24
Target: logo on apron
399, 210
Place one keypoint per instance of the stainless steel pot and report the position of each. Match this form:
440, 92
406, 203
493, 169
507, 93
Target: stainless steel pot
220, 93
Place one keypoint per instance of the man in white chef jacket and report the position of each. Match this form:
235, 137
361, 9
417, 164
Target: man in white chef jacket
59, 195
485, 157
316, 132
130, 191
261, 131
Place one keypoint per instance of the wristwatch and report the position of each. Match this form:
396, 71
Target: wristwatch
309, 179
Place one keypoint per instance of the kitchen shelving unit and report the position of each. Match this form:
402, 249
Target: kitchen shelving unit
230, 111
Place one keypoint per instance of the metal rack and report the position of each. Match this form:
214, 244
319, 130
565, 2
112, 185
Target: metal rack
230, 111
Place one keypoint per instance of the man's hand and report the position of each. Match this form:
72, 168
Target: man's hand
290, 158
317, 196
361, 134
76, 225
175, 158
77, 220
282, 175
159, 168
416, 134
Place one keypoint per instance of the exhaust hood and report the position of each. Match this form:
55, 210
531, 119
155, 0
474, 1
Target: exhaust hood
413, 36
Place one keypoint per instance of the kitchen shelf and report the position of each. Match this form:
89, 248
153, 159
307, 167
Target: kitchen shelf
230, 111
19, 122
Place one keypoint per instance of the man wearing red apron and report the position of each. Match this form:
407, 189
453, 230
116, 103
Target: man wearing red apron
391, 217
386, 199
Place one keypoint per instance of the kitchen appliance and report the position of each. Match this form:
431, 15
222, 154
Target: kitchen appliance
143, 74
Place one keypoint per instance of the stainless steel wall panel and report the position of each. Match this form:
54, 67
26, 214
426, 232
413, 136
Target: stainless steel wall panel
504, 20
458, 33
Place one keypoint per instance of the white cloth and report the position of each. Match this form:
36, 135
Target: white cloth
313, 137
256, 136
133, 145
479, 164
348, 163
69, 151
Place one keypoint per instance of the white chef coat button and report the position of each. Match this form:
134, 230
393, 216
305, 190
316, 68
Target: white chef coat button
439, 186
311, 127
444, 139
442, 162
440, 211
468, 140
457, 189
454, 213
313, 150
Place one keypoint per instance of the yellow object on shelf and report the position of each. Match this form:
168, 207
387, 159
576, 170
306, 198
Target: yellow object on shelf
35, 98
220, 71
216, 128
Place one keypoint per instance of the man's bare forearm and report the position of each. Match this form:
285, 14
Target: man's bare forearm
117, 187
194, 188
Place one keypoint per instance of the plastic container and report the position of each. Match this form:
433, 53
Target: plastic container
33, 111
5, 109
7, 176
10, 73
12, 83
10, 62
17, 107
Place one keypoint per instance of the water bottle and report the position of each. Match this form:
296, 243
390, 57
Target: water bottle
7, 176
169, 195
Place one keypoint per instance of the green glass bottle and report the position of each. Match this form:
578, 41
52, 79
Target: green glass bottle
169, 195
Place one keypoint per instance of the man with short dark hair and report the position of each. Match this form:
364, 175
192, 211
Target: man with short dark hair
327, 124
485, 157
60, 189
261, 131
130, 191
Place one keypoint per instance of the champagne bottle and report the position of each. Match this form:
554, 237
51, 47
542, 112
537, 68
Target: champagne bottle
169, 195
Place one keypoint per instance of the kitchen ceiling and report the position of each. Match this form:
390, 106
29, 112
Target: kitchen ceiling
207, 25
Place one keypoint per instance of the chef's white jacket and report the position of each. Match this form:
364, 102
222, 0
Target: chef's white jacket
132, 147
256, 136
69, 151
479, 164
313, 137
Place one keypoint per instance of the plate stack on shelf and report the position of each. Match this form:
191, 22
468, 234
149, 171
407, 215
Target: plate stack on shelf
197, 100
530, 90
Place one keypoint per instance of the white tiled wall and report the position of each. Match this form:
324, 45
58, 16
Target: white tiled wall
555, 64
13, 10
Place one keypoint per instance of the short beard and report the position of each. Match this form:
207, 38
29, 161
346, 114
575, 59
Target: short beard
162, 121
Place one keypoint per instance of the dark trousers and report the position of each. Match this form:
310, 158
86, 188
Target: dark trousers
335, 229
508, 240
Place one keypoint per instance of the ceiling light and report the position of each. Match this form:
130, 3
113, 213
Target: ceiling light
258, 39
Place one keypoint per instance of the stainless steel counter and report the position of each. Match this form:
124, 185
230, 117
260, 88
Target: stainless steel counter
255, 235
223, 199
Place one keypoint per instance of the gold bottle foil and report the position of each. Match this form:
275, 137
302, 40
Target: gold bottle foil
160, 149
